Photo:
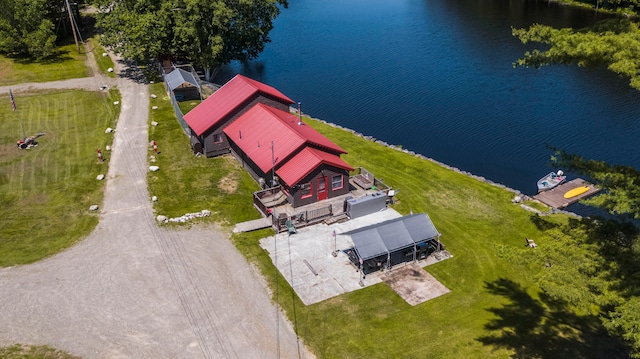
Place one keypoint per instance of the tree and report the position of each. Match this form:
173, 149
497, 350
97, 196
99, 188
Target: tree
26, 28
614, 42
620, 184
591, 266
208, 33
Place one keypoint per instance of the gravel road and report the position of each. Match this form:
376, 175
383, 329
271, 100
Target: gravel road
133, 290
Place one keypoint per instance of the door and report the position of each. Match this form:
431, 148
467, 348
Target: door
322, 188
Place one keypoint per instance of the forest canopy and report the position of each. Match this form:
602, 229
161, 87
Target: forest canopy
27, 28
613, 42
208, 33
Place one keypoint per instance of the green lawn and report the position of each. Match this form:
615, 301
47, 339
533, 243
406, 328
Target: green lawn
67, 64
104, 62
20, 351
219, 185
46, 191
494, 308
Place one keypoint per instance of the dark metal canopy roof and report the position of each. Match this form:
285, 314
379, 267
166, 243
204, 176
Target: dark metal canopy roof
178, 77
392, 235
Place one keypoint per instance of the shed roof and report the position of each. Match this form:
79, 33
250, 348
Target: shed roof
261, 124
392, 235
226, 100
178, 77
305, 161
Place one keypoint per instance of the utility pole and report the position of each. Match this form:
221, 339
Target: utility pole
273, 166
73, 26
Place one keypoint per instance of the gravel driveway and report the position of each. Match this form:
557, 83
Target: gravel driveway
133, 290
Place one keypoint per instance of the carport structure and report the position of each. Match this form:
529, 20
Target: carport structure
412, 236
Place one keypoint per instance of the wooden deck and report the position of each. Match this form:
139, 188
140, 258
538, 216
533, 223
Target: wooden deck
555, 197
253, 225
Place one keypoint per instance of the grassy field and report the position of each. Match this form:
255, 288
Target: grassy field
18, 351
494, 308
45, 191
67, 65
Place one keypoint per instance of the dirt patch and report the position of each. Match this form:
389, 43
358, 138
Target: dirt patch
414, 284
228, 184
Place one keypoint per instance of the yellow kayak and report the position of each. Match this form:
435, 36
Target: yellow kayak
576, 191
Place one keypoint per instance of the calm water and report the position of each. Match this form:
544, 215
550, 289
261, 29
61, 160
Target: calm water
436, 77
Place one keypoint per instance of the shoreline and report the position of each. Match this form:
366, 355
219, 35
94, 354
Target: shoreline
517, 193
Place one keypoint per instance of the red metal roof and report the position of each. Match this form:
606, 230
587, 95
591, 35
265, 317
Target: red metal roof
256, 128
217, 107
305, 162
310, 134
254, 131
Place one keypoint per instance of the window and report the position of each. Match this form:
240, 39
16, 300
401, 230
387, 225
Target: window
337, 182
305, 190
217, 137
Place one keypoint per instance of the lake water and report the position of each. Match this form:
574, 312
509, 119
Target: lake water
436, 77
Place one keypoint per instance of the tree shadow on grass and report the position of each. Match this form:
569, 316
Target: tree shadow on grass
541, 223
59, 56
545, 328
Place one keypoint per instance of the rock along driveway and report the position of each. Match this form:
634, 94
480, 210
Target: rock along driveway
133, 290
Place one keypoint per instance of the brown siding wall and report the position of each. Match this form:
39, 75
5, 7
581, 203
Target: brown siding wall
247, 164
323, 170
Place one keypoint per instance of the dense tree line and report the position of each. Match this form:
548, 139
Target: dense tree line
208, 33
27, 27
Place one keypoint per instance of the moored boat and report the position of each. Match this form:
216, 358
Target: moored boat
551, 180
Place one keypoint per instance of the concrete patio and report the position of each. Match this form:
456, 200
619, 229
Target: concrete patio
306, 258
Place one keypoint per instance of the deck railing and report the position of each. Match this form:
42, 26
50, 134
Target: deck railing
303, 218
258, 196
367, 180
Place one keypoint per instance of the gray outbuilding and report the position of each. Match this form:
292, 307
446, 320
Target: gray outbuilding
397, 240
183, 84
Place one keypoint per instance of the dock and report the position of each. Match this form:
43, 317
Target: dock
554, 197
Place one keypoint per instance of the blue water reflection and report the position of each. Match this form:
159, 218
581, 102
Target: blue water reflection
436, 77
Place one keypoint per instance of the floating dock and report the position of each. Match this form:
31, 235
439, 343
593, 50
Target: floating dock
555, 197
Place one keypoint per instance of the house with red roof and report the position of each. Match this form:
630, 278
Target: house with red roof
208, 120
279, 148
252, 121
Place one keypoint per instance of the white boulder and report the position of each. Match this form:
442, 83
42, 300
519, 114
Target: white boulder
153, 168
